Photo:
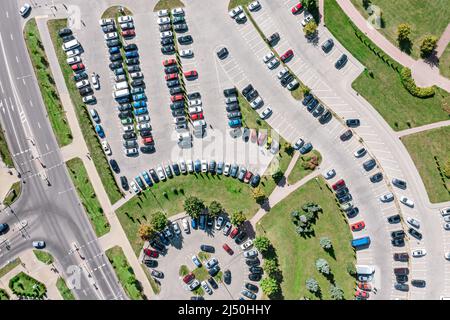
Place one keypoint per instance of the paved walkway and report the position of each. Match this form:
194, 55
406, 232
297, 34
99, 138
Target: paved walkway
443, 42
424, 74
79, 149
423, 128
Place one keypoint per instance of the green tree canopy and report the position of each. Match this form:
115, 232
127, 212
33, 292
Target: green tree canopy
262, 243
215, 208
312, 285
428, 45
193, 206
237, 218
336, 292
158, 221
322, 266
269, 286
403, 32
270, 266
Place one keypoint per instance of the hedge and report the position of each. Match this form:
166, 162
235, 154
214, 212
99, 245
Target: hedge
410, 85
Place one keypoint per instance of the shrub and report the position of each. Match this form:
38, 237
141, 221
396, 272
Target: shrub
428, 45
410, 85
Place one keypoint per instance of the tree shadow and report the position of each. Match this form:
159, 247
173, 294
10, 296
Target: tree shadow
331, 252
432, 59
265, 205
330, 278
405, 46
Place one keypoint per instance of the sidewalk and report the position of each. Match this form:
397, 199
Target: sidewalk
79, 149
423, 128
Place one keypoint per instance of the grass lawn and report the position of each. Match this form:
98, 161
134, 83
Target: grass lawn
24, 285
13, 194
201, 273
8, 267
113, 12
297, 255
87, 195
424, 17
3, 294
299, 172
423, 147
444, 62
64, 290
297, 94
5, 155
203, 256
125, 273
156, 288
385, 91
55, 110
168, 4
235, 3
93, 144
43, 256
233, 195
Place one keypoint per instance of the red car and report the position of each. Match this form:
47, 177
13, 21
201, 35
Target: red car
197, 116
151, 253
361, 294
191, 74
287, 55
171, 76
128, 33
188, 278
177, 97
147, 140
364, 286
234, 233
78, 67
297, 8
248, 177
338, 185
169, 62
358, 226
228, 249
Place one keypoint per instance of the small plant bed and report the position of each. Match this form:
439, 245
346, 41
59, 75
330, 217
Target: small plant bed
304, 166
168, 4
114, 12
13, 194
3, 294
64, 290
5, 155
8, 267
235, 3
43, 256
23, 285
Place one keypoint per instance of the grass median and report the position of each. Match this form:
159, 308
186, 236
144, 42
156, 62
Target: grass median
50, 96
444, 62
305, 165
9, 266
168, 4
43, 256
5, 155
88, 197
92, 141
3, 294
13, 194
64, 290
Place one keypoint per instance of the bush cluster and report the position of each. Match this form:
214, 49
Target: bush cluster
410, 85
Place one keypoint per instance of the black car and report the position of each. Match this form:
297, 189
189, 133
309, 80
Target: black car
232, 107
130, 47
124, 182
252, 95
180, 27
230, 92
341, 192
137, 83
124, 107
399, 183
369, 164
327, 45
398, 234
145, 133
352, 123
240, 237
85, 91
251, 287
256, 270
222, 53
156, 245
177, 105
227, 276
80, 76
247, 90
394, 219
207, 248
129, 136
170, 49
312, 105
248, 294
4, 227
213, 283
307, 99
125, 114
68, 38
401, 278
398, 242
401, 286
345, 198
353, 212
114, 165
147, 149
254, 182
377, 177
115, 57
115, 65
194, 95
171, 69
154, 175
318, 111
253, 262
176, 169
285, 80
132, 61
214, 270
416, 234
341, 61
173, 83
324, 118
402, 256
64, 32
185, 39
418, 283
346, 135
134, 68
113, 43
273, 39
157, 274
255, 276
176, 90
151, 263
166, 41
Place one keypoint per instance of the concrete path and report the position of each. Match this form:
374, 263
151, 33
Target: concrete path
423, 128
443, 42
79, 149
291, 164
424, 74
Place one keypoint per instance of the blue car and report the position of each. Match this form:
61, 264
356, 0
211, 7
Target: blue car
220, 167
306, 148
163, 239
140, 96
99, 130
123, 100
139, 104
147, 178
119, 71
197, 166
202, 223
114, 50
194, 223
140, 111
234, 123
234, 170
137, 90
140, 182
131, 54
307, 99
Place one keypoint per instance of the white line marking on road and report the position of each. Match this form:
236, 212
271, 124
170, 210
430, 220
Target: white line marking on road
46, 146
17, 59
39, 125
12, 38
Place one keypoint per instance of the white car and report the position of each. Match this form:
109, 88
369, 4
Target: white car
183, 168
144, 118
196, 261
111, 36
136, 75
95, 81
247, 244
255, 5
73, 53
204, 166
176, 228
406, 201
186, 53
414, 222
226, 169
123, 19
447, 255
190, 166
274, 147
299, 143
388, 197
292, 85
257, 102
251, 253
445, 211
193, 285
193, 110
126, 26
105, 22
88, 99
165, 34
360, 152
134, 187
307, 19
82, 84
142, 126
268, 57
165, 20
235, 11
163, 13
446, 226
211, 263
127, 128
73, 60
282, 73
161, 174
194, 103
25, 9
241, 17
226, 229
329, 174
177, 11
106, 148
206, 287
266, 113
419, 253
219, 222
272, 64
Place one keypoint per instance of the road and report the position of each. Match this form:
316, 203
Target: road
53, 213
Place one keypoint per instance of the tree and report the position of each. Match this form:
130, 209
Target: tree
310, 5
262, 243
312, 285
258, 194
277, 176
270, 266
403, 32
215, 208
269, 286
146, 231
310, 28
322, 266
158, 221
428, 45
193, 206
305, 89
325, 243
237, 218
336, 292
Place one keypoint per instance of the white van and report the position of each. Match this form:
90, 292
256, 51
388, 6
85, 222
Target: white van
69, 45
121, 93
121, 85
364, 269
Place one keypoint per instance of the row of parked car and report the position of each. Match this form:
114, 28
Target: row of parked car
317, 110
